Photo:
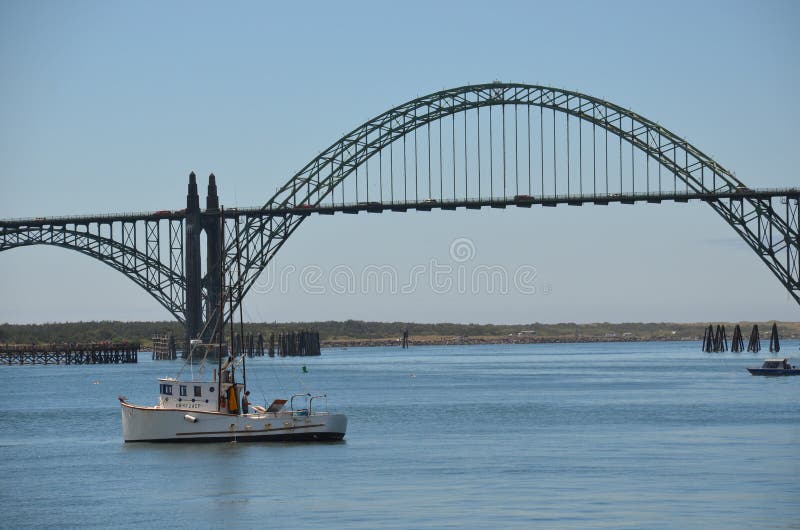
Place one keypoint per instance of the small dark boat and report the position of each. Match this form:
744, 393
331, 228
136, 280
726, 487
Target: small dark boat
775, 367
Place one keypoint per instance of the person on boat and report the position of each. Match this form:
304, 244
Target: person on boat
246, 402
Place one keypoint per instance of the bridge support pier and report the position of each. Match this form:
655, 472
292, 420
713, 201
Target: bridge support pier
193, 313
214, 242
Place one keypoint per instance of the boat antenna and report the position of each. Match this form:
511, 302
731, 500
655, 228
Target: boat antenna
239, 297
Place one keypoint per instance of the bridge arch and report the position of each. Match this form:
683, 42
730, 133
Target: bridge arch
332, 177
166, 284
474, 146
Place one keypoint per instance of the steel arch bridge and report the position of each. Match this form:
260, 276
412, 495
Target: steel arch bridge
489, 145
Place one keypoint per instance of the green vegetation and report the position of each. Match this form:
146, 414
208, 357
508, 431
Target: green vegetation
142, 332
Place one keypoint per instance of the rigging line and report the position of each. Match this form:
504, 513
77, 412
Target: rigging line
416, 166
428, 126
516, 149
466, 165
555, 165
491, 156
633, 169
541, 144
686, 167
341, 168
503, 108
674, 174
606, 146
356, 176
580, 150
391, 164
380, 173
453, 116
568, 152
478, 119
620, 155
594, 159
453, 130
528, 136
405, 169
647, 161
659, 165
330, 186
441, 164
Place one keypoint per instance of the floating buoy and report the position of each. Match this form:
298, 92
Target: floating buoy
190, 418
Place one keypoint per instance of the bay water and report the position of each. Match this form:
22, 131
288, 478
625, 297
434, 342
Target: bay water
601, 435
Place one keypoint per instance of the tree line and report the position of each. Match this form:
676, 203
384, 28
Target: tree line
142, 332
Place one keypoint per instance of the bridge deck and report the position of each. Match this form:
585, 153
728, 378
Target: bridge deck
524, 201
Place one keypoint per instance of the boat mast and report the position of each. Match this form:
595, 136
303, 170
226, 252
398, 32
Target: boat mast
233, 342
239, 296
220, 328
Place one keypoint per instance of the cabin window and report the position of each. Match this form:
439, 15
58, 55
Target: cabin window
183, 390
198, 391
166, 389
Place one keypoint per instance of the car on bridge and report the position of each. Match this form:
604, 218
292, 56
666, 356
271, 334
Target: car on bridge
523, 199
371, 206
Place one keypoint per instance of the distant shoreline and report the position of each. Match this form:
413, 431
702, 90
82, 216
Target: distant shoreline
358, 333
466, 341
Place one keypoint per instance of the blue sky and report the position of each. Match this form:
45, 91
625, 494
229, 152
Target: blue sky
107, 106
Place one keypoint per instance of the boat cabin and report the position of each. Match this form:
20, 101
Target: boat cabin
776, 364
196, 395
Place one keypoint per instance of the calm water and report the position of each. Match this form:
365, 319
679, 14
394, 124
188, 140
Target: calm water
653, 435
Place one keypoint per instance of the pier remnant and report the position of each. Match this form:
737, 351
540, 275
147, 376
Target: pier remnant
754, 344
737, 343
774, 343
708, 339
73, 353
715, 341
164, 348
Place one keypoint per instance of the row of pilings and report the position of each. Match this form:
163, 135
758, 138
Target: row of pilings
715, 341
283, 344
294, 343
288, 343
250, 345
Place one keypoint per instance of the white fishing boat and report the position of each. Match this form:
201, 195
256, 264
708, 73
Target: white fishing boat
210, 411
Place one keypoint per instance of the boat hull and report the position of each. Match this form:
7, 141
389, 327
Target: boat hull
156, 424
775, 372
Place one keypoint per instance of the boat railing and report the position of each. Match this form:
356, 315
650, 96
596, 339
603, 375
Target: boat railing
302, 411
309, 400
